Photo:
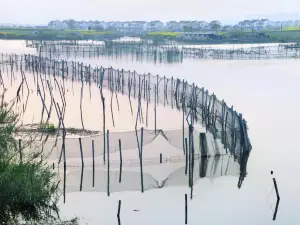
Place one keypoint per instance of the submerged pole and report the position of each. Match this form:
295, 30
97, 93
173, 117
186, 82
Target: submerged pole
119, 211
185, 209
141, 160
93, 153
20, 151
155, 108
186, 156
108, 166
121, 161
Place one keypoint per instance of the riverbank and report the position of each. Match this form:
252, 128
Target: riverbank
51, 34
228, 37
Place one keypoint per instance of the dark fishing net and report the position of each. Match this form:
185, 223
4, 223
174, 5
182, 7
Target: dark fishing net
225, 130
206, 109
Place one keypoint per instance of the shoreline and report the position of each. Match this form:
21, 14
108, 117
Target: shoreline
209, 42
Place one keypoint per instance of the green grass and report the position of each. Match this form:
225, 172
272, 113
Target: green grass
48, 128
291, 35
50, 33
291, 29
164, 34
88, 32
287, 34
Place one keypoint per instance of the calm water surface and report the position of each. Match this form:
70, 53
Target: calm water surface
267, 94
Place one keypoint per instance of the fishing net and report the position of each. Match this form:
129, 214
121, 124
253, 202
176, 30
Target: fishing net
155, 176
150, 52
162, 152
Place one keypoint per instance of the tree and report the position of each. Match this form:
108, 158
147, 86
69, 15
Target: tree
71, 24
29, 191
215, 25
187, 29
99, 28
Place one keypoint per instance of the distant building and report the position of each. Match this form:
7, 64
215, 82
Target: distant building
288, 23
155, 26
58, 25
173, 26
201, 35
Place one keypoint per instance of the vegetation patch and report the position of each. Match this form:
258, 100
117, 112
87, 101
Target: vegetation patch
52, 34
29, 188
164, 34
48, 128
51, 129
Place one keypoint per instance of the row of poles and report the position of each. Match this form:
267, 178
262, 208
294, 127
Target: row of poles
180, 91
156, 51
212, 113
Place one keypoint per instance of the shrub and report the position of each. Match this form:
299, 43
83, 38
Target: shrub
29, 191
48, 128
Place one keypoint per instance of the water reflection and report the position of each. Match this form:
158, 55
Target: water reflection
155, 175
157, 54
281, 72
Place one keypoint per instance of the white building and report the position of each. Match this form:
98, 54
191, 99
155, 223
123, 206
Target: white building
83, 25
288, 23
203, 24
297, 23
136, 26
173, 26
155, 26
58, 25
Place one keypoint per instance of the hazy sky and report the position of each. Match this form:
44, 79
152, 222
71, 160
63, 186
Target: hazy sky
227, 11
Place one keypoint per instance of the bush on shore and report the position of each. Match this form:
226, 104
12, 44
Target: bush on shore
29, 192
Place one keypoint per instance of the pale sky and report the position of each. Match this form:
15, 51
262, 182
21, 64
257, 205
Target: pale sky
227, 11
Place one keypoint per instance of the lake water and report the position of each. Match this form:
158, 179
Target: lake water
267, 93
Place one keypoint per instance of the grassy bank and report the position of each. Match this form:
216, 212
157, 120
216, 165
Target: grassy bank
271, 36
290, 34
51, 34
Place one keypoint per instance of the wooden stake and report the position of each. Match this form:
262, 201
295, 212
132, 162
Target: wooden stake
185, 209
141, 159
121, 161
108, 166
119, 211
20, 151
93, 153
155, 108
186, 156
81, 153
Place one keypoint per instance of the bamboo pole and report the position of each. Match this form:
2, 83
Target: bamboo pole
108, 165
141, 159
102, 72
59, 114
81, 178
20, 151
82, 164
185, 209
186, 156
119, 211
93, 153
81, 98
155, 108
121, 161
81, 152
